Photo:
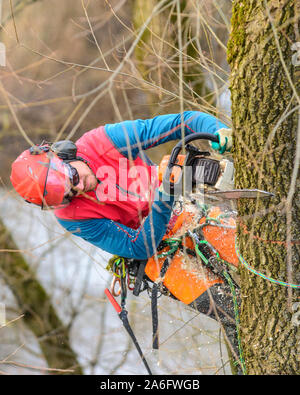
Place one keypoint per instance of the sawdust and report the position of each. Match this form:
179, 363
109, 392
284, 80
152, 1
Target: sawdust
194, 265
192, 221
189, 263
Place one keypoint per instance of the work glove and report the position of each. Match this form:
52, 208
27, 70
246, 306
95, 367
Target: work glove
225, 140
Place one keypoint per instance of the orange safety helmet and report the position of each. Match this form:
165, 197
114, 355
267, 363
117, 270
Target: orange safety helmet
41, 177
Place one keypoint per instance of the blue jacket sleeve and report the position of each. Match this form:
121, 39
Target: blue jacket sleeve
120, 240
138, 135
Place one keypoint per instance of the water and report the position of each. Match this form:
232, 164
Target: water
73, 273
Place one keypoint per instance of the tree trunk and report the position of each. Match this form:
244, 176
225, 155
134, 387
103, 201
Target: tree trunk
35, 304
265, 94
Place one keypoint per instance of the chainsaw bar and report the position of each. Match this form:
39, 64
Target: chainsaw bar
240, 194
228, 198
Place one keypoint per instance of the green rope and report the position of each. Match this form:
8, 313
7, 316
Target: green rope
272, 280
237, 321
235, 303
205, 260
174, 244
230, 265
207, 219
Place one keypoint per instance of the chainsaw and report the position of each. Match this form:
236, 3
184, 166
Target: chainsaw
201, 176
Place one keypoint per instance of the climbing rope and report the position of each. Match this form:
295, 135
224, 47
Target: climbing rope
237, 321
173, 244
229, 280
272, 280
216, 222
222, 270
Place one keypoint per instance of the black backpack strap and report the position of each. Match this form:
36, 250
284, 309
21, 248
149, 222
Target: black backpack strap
154, 311
154, 297
139, 278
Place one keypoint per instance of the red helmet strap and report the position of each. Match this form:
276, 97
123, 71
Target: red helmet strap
42, 206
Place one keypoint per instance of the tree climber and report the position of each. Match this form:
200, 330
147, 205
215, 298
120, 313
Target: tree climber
105, 189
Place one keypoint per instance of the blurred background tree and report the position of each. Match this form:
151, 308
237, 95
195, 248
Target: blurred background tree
94, 62
37, 310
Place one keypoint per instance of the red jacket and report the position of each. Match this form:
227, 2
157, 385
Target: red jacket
125, 188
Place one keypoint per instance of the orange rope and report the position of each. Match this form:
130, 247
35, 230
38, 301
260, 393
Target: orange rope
246, 231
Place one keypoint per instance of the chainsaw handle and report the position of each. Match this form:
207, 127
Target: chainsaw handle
197, 136
175, 152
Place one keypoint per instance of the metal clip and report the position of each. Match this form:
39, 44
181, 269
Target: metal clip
113, 291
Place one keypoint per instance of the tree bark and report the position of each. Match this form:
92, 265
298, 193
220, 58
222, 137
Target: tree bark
35, 304
264, 87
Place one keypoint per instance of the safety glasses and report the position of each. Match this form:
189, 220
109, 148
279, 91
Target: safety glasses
74, 176
59, 186
74, 180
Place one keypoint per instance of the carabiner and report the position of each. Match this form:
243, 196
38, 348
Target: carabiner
119, 268
113, 285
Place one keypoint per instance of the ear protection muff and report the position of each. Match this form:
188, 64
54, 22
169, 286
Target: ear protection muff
65, 150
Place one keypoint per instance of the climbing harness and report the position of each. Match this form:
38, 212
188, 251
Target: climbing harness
135, 270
